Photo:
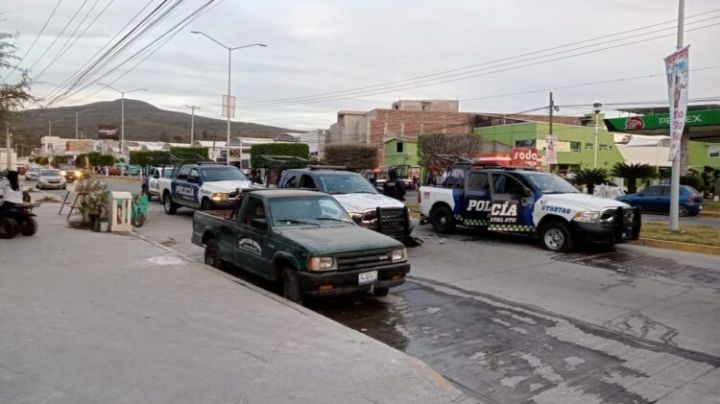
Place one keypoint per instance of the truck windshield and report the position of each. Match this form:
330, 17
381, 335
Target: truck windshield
313, 210
345, 184
550, 184
223, 174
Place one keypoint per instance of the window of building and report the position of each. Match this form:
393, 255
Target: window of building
575, 147
603, 147
589, 146
526, 143
399, 146
714, 151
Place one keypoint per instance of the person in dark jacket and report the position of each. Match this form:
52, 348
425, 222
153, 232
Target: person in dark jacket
393, 187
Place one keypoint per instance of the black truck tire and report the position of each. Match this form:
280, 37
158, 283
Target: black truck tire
443, 220
205, 204
556, 236
291, 286
168, 204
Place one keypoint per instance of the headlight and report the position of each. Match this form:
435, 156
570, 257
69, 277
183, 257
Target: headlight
587, 216
319, 264
356, 217
219, 196
78, 174
63, 173
399, 255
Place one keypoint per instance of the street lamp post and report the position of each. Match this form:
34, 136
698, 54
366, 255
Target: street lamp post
596, 107
229, 98
192, 121
122, 112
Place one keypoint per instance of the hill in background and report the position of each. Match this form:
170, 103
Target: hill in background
143, 121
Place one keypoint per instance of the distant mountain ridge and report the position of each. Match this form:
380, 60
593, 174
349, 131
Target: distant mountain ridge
143, 121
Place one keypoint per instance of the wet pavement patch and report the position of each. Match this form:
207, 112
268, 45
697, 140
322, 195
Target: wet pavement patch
634, 263
496, 353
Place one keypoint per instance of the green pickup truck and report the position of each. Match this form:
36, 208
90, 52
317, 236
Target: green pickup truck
304, 239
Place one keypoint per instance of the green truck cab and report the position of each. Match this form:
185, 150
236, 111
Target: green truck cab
304, 239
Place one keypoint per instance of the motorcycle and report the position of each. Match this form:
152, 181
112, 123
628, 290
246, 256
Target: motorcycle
17, 218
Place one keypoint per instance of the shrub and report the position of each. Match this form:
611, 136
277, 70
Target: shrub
353, 156
691, 180
145, 157
591, 177
277, 149
189, 152
464, 145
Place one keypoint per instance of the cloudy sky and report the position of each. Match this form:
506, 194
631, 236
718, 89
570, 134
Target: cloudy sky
381, 50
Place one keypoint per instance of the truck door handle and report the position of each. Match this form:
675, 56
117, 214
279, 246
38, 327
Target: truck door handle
271, 245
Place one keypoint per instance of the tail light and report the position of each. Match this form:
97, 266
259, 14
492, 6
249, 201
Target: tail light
693, 198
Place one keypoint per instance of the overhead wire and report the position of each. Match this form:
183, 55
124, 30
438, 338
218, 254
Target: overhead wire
508, 68
58, 36
489, 64
32, 45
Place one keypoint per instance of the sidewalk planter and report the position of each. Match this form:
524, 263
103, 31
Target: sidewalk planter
120, 212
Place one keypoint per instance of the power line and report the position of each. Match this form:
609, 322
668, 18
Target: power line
75, 14
494, 62
42, 30
510, 68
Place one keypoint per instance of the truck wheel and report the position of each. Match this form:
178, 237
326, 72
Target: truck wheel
8, 227
169, 205
29, 227
205, 204
683, 211
556, 236
291, 286
212, 254
443, 220
381, 292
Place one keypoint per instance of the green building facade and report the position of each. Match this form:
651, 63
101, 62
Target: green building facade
399, 152
576, 144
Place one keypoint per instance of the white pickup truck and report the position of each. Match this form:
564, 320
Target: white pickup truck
530, 202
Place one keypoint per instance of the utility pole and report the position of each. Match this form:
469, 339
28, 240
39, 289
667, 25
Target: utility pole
49, 128
192, 121
675, 175
76, 124
8, 151
551, 105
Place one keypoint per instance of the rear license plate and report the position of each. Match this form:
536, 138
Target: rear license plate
367, 278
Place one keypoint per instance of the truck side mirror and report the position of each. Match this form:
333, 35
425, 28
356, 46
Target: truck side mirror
156, 175
259, 223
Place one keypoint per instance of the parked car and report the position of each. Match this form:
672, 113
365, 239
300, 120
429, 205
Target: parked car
656, 199
368, 207
304, 239
33, 173
128, 169
526, 202
51, 179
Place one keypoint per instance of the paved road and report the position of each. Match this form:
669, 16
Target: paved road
509, 322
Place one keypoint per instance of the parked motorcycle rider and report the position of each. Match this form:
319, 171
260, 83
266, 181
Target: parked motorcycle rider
10, 189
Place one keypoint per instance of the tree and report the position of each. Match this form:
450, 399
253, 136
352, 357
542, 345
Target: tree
631, 173
591, 177
12, 95
353, 156
464, 145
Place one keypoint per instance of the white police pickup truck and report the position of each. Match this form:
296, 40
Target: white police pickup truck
530, 202
202, 186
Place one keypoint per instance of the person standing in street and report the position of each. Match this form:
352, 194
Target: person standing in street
393, 187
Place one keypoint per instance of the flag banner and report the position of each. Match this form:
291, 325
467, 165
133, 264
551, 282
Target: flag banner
676, 68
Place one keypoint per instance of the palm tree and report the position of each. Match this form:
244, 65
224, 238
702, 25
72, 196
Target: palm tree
631, 173
591, 177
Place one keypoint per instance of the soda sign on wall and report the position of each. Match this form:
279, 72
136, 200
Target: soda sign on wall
525, 157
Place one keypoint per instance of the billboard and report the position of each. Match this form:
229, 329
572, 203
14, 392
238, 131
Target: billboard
551, 143
525, 157
80, 146
108, 132
676, 67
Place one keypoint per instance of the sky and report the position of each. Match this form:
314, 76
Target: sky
320, 47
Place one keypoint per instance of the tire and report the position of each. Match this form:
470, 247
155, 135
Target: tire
683, 211
381, 292
138, 220
695, 213
8, 227
291, 286
169, 205
29, 227
556, 236
212, 254
443, 221
205, 204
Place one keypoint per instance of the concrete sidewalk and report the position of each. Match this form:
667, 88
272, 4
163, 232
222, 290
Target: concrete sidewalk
101, 318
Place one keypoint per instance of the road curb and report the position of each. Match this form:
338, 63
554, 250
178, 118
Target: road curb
710, 214
676, 245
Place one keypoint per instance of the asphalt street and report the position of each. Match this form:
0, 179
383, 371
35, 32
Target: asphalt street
510, 322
